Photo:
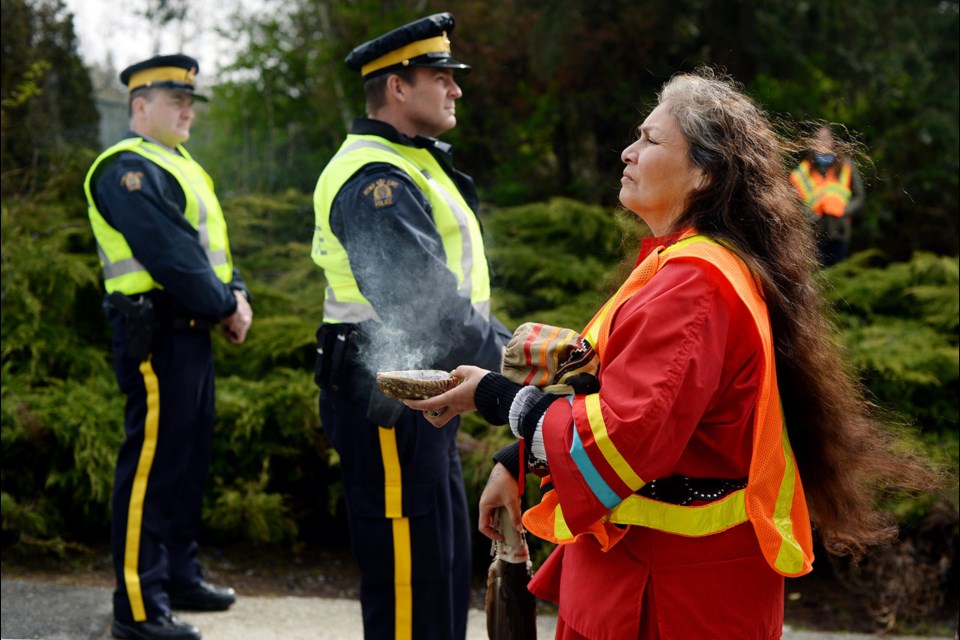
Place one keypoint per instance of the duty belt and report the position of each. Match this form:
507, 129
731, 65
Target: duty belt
187, 324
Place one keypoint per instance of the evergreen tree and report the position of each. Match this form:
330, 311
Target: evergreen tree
46, 93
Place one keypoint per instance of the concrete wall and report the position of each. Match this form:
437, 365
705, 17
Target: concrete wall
113, 119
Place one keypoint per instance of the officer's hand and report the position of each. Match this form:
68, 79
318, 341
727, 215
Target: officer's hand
239, 323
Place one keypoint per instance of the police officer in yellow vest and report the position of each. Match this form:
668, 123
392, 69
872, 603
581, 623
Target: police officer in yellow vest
170, 278
832, 191
398, 239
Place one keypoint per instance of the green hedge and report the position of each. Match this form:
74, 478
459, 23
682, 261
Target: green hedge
274, 477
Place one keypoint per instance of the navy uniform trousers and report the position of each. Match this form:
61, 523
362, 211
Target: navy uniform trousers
408, 519
161, 469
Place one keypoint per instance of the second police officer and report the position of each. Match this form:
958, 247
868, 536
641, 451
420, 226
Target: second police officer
398, 239
170, 278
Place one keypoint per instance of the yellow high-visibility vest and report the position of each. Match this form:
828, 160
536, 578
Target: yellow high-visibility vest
456, 223
122, 272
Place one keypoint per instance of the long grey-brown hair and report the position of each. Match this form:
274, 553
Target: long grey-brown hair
846, 458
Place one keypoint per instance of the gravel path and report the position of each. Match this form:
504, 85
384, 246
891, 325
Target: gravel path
59, 612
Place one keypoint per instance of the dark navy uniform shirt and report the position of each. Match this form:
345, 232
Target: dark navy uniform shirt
152, 222
399, 262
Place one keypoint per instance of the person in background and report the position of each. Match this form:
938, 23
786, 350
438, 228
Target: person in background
830, 187
398, 239
170, 279
681, 490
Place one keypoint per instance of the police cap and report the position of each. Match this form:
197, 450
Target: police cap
422, 43
177, 72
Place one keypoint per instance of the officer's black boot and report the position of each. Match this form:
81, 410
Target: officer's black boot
202, 597
164, 627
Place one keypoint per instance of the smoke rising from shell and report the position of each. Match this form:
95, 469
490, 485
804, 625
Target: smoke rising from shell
417, 341
415, 296
390, 349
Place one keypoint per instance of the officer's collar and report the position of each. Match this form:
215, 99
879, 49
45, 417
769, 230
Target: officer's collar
133, 134
381, 129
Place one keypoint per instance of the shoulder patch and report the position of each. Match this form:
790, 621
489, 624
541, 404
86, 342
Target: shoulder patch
381, 192
132, 180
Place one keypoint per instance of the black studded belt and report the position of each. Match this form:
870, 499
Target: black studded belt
682, 490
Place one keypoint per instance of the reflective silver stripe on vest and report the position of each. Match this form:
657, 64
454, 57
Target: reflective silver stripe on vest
466, 241
132, 265
483, 308
216, 258
353, 312
466, 248
119, 268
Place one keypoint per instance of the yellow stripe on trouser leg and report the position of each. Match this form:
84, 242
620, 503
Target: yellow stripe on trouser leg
138, 492
393, 508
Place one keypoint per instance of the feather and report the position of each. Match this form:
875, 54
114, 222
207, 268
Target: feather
511, 608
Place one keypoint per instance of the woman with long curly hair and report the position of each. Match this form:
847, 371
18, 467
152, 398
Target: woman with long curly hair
683, 486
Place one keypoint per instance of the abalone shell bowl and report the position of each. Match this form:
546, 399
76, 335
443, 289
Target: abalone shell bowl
415, 384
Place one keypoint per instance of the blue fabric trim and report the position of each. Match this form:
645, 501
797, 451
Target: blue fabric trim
597, 485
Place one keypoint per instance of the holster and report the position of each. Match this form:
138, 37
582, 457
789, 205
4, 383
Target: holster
139, 323
383, 411
338, 369
335, 366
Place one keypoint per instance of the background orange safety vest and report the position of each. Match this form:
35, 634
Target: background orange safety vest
824, 194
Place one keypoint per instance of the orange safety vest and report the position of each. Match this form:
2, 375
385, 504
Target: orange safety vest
824, 194
773, 499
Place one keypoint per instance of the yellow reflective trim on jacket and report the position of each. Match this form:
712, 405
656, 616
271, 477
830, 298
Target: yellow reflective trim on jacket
122, 271
701, 520
456, 223
592, 330
613, 457
560, 525
790, 558
800, 177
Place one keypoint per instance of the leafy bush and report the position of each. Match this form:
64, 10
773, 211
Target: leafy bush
251, 513
554, 261
62, 414
900, 326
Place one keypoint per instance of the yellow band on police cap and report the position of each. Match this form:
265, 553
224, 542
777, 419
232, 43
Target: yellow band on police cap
147, 77
437, 44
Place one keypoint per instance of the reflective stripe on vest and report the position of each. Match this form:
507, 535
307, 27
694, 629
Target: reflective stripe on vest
121, 270
824, 194
773, 500
456, 223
